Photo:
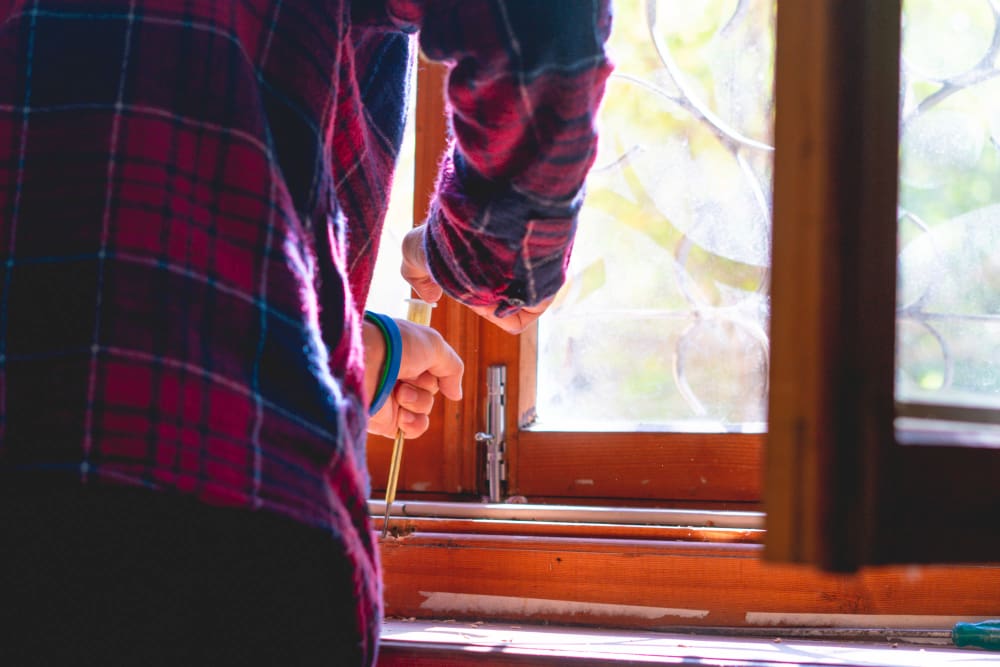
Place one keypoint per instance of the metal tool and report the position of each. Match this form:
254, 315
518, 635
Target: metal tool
419, 311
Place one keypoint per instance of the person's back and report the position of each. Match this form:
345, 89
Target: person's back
191, 195
167, 204
164, 228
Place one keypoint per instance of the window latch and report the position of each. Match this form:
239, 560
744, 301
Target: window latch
495, 436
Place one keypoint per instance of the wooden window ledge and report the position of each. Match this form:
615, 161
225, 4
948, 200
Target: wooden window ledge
452, 643
658, 585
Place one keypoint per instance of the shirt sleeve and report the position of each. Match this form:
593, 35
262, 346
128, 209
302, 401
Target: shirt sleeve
525, 81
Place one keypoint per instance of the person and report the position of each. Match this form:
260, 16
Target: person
191, 195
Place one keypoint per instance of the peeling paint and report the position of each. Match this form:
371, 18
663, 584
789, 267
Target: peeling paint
584, 482
767, 618
502, 605
420, 486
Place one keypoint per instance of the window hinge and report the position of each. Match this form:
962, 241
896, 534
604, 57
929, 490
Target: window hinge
494, 437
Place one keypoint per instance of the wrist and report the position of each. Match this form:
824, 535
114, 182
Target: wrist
375, 356
383, 354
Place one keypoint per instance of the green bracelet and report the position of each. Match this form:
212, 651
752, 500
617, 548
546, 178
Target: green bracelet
393, 357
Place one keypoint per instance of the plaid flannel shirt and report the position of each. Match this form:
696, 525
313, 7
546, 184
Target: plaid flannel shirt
191, 195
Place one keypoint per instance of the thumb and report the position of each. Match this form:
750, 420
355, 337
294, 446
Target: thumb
414, 269
426, 288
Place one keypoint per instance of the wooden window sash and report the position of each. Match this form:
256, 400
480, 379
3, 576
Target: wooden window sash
840, 491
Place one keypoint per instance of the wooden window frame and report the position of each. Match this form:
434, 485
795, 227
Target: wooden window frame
830, 433
720, 471
841, 491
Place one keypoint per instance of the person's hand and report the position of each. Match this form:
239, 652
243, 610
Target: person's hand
517, 321
428, 366
416, 273
414, 268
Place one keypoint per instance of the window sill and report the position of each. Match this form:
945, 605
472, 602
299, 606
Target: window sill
615, 577
452, 643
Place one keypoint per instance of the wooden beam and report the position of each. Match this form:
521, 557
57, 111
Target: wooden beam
656, 584
833, 280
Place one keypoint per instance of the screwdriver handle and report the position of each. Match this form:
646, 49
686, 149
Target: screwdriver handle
984, 634
419, 311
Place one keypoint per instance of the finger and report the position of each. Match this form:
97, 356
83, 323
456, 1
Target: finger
425, 381
450, 384
425, 351
448, 368
518, 321
414, 399
411, 424
421, 281
512, 324
414, 268
425, 287
382, 426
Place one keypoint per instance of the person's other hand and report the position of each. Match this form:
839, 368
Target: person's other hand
414, 268
517, 321
428, 366
416, 273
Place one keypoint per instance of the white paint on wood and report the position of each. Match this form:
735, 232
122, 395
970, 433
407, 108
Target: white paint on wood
920, 621
493, 606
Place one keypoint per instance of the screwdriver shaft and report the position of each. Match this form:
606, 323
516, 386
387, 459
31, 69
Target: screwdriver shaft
418, 312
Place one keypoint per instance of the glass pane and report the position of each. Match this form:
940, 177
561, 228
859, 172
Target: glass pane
948, 296
663, 321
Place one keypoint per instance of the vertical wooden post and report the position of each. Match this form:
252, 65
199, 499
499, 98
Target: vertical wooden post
834, 254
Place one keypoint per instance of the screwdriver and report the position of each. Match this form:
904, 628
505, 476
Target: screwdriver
419, 312
985, 634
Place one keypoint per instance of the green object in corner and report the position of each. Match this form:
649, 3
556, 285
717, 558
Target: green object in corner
985, 634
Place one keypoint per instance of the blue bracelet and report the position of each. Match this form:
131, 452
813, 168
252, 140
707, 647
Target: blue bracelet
393, 357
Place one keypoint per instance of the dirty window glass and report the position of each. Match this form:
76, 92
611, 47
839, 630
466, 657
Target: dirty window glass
662, 324
948, 296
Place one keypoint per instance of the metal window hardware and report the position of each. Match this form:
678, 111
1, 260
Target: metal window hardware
495, 436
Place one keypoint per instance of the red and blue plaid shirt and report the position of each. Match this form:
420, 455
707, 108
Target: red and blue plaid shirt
191, 195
